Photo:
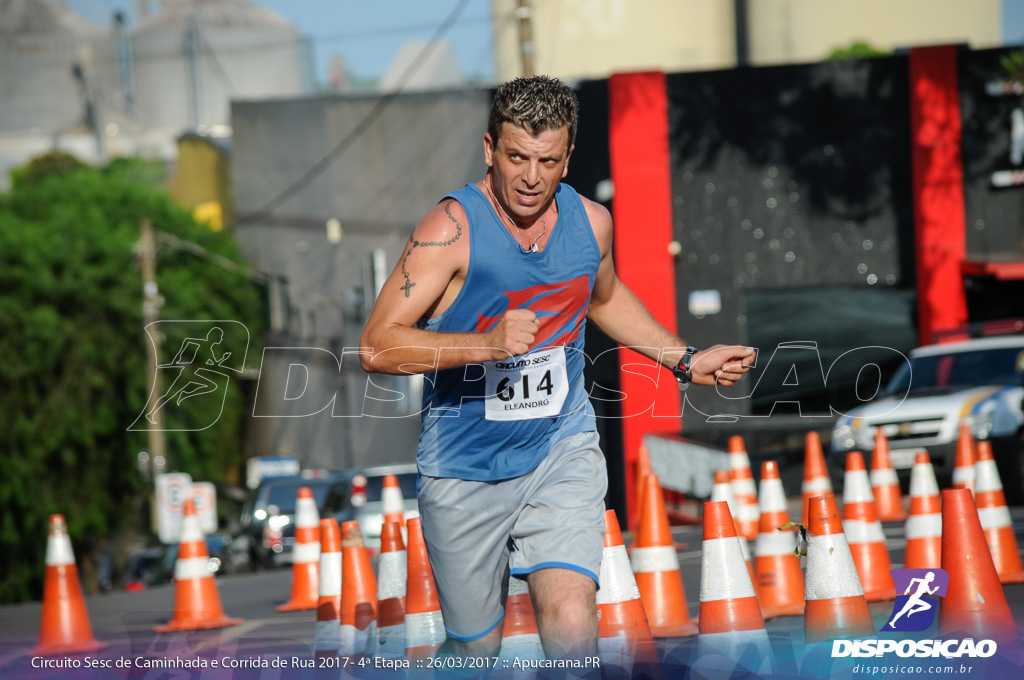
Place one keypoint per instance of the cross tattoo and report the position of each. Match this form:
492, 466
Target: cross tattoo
408, 285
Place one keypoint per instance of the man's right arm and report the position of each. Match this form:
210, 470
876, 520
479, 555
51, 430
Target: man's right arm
435, 256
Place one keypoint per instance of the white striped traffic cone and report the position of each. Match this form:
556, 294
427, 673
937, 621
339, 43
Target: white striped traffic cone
196, 599
780, 582
328, 609
995, 517
864, 532
836, 607
424, 625
392, 572
732, 634
747, 513
924, 525
391, 500
305, 554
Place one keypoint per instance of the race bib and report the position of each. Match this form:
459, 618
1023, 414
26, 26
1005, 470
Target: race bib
526, 387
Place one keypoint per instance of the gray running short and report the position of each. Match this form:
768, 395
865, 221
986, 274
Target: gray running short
477, 533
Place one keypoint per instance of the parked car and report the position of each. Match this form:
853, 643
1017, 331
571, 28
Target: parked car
977, 382
355, 495
267, 532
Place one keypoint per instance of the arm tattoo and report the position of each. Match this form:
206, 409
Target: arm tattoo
414, 243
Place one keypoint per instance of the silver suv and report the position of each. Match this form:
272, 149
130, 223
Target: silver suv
978, 382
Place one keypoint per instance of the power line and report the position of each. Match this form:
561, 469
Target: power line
361, 127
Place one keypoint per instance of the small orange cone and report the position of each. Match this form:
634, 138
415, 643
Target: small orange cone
391, 500
424, 626
963, 467
305, 555
358, 594
196, 599
642, 469
732, 631
722, 492
624, 636
995, 517
328, 608
65, 627
924, 526
747, 513
519, 638
836, 607
780, 582
864, 533
885, 485
656, 567
816, 479
392, 572
975, 602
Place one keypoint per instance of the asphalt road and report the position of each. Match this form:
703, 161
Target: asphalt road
125, 621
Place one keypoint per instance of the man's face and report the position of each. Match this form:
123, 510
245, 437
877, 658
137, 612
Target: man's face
526, 170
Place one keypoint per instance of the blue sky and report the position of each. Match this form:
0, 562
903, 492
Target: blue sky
369, 33
366, 33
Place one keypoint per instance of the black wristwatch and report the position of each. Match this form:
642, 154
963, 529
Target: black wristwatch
682, 369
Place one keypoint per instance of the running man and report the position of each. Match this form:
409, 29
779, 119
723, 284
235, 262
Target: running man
915, 603
190, 381
490, 299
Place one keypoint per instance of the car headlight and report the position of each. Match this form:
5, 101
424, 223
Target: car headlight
864, 437
842, 437
980, 424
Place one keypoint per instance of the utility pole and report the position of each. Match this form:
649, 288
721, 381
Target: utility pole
525, 15
150, 314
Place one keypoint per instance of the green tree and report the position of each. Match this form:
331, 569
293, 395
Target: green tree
858, 50
73, 374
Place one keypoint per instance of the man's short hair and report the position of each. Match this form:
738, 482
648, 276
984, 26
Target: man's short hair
536, 104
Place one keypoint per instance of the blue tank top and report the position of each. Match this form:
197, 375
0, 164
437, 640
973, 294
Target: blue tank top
499, 420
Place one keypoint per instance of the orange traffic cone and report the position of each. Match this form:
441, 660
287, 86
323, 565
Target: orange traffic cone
305, 555
642, 469
885, 485
656, 567
963, 464
519, 638
995, 517
392, 573
975, 602
358, 594
864, 532
816, 479
424, 626
732, 631
835, 599
391, 500
924, 526
780, 582
722, 492
196, 599
65, 628
328, 608
747, 514
624, 636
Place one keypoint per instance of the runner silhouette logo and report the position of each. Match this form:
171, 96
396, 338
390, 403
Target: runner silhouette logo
191, 381
915, 609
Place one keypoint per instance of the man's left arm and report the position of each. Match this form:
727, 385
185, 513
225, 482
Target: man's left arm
623, 317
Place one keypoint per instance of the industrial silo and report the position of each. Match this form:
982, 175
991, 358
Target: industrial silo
193, 56
48, 60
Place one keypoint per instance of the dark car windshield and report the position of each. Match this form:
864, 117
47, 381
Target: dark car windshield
406, 482
996, 366
285, 495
